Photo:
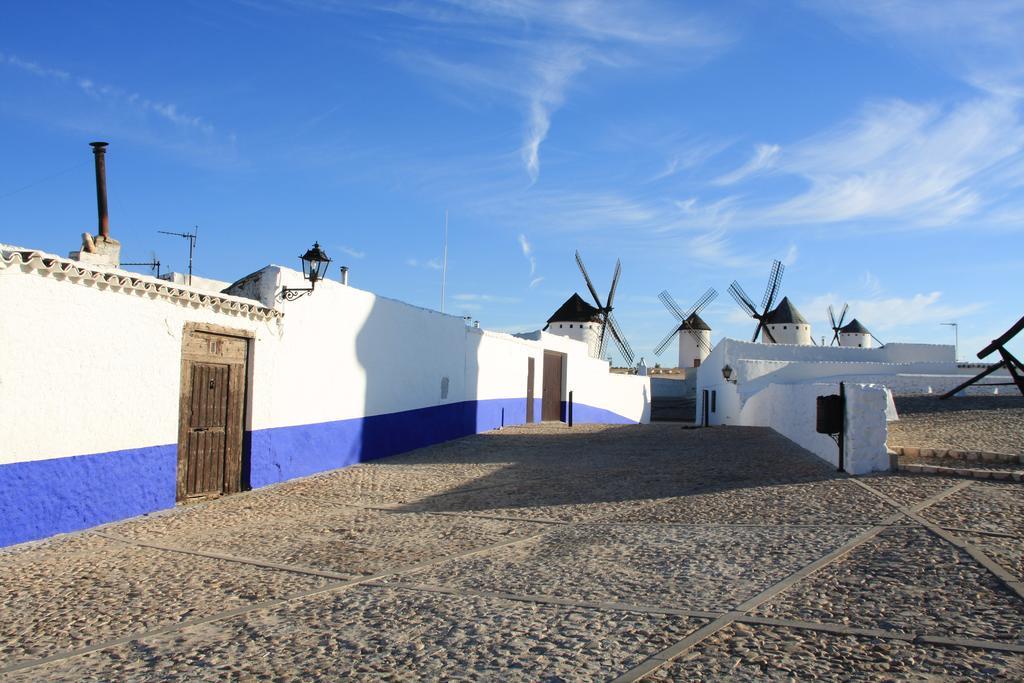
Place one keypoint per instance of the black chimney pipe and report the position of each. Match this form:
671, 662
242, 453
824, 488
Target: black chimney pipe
99, 149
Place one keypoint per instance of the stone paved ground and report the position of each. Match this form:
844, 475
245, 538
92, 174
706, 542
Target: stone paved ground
540, 553
965, 423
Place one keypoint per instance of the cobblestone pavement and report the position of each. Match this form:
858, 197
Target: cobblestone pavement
966, 423
540, 553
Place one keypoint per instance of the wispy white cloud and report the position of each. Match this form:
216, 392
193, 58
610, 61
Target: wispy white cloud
354, 253
430, 264
166, 111
889, 313
527, 250
764, 157
534, 50
536, 281
487, 298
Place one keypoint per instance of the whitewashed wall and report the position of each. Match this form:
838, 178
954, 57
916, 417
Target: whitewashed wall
791, 410
90, 374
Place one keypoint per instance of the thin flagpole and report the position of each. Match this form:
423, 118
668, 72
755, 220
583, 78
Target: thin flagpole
444, 264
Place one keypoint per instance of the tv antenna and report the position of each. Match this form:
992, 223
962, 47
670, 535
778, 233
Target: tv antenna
153, 263
191, 237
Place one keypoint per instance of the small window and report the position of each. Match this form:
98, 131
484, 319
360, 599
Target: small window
696, 362
570, 326
714, 400
783, 327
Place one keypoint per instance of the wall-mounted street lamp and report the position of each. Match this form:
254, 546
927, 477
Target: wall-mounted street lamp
727, 372
314, 268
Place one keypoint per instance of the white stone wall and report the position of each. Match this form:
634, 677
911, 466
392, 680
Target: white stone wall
90, 366
791, 410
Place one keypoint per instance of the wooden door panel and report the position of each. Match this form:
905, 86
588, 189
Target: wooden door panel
529, 389
212, 414
551, 399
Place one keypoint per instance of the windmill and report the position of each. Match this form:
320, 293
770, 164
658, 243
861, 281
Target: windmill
604, 311
687, 321
770, 292
836, 324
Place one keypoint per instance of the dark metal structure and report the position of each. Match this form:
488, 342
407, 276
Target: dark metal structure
314, 269
604, 312
771, 290
191, 237
831, 420
687, 321
153, 263
99, 150
836, 324
1014, 366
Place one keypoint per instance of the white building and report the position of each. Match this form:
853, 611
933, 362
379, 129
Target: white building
576, 319
856, 335
691, 351
786, 325
100, 367
775, 385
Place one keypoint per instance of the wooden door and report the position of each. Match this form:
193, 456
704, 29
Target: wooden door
551, 398
529, 390
211, 414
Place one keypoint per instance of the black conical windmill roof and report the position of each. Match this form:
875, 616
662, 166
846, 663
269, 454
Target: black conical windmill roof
575, 310
785, 313
695, 322
854, 327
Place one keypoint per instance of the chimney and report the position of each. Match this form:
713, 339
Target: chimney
344, 275
99, 149
101, 249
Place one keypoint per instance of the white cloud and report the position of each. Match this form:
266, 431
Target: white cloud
536, 281
533, 50
430, 264
352, 252
764, 157
920, 165
169, 112
890, 312
524, 244
486, 298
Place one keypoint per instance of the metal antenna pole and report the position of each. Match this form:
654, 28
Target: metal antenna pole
444, 264
956, 340
191, 237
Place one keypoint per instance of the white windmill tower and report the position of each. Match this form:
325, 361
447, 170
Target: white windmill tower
594, 325
694, 333
786, 325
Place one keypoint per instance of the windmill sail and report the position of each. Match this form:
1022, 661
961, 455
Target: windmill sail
771, 291
609, 327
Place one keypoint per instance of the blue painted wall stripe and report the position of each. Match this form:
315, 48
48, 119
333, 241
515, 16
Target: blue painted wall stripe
45, 497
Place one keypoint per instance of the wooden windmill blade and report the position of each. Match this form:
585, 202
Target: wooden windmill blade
706, 298
620, 339
773, 286
671, 305
615, 282
743, 299
663, 344
586, 277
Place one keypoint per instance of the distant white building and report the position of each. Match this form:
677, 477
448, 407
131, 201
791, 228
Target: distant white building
576, 319
786, 325
695, 345
854, 334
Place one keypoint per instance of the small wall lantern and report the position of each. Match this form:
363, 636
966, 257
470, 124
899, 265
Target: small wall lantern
314, 268
727, 372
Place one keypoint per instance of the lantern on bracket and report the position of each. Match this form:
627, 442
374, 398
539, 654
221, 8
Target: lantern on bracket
314, 268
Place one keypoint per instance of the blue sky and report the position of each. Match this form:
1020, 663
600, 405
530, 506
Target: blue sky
877, 148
